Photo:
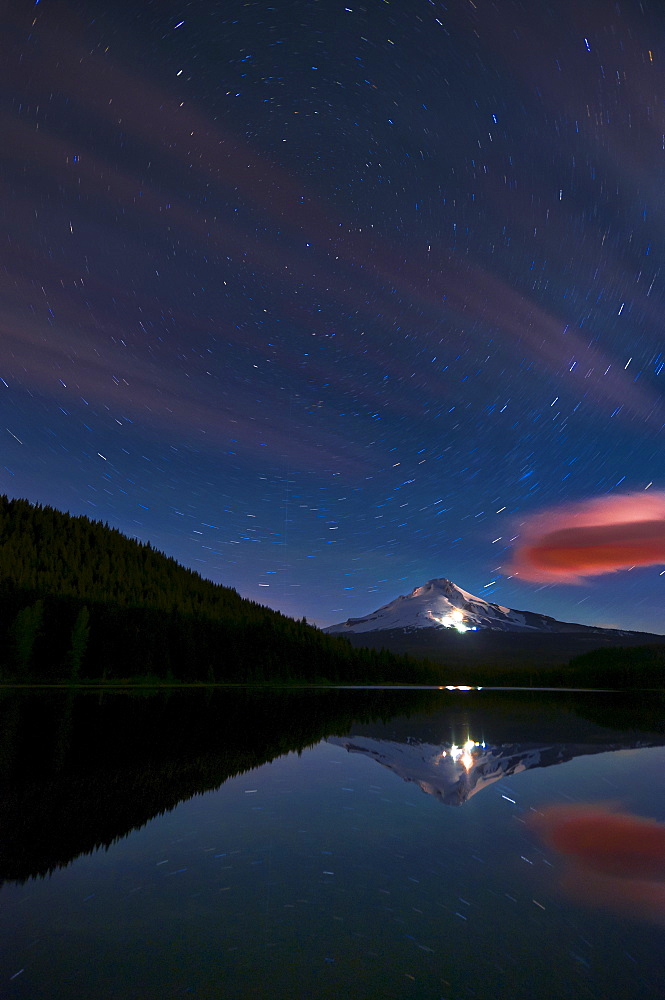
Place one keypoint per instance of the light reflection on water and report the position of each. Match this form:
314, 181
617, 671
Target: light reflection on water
331, 874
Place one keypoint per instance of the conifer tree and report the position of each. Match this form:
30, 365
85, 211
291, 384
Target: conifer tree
25, 631
80, 635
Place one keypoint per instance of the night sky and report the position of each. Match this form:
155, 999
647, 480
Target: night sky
326, 301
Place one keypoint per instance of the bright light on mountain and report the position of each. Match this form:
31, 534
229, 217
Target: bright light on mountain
454, 620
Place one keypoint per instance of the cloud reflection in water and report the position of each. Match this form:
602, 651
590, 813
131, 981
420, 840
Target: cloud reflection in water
612, 861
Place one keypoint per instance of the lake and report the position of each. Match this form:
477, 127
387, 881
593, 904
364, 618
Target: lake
331, 844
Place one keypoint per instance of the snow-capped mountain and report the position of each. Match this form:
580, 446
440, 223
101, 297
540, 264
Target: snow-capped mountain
453, 774
442, 604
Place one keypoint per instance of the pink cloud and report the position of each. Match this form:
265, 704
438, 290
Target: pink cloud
567, 544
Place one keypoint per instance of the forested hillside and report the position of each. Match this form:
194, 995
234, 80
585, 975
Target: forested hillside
44, 550
79, 600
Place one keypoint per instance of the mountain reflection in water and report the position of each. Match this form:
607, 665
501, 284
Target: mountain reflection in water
80, 771
319, 874
453, 774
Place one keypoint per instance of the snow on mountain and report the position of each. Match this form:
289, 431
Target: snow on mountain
442, 604
453, 774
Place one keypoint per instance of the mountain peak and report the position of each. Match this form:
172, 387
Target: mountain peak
440, 603
439, 583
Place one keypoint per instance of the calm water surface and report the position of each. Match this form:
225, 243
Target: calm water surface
365, 859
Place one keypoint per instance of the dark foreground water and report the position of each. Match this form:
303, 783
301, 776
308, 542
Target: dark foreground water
326, 845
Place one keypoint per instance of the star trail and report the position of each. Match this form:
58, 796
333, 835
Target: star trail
327, 301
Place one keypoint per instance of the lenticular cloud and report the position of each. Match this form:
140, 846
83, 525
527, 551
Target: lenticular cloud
567, 544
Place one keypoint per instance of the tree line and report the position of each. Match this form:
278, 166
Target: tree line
80, 600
